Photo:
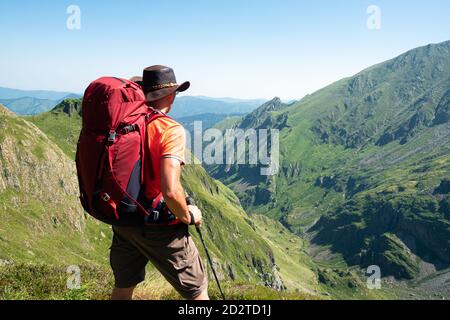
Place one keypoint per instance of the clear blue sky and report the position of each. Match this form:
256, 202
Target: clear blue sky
228, 48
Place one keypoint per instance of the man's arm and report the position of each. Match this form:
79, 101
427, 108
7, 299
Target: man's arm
174, 193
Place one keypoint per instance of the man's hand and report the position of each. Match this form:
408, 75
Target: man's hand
197, 215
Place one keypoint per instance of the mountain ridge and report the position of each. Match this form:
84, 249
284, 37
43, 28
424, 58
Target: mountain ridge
10, 93
380, 139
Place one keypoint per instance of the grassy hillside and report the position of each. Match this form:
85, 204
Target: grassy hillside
365, 166
41, 217
61, 124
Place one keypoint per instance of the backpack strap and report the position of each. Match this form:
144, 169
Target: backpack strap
97, 195
154, 115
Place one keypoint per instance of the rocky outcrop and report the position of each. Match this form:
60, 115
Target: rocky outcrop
70, 107
263, 117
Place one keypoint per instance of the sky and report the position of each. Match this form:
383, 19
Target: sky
230, 48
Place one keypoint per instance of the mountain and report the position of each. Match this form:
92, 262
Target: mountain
27, 105
364, 167
8, 93
61, 124
208, 120
32, 102
210, 112
187, 106
255, 102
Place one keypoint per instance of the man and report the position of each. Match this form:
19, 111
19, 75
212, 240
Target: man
169, 247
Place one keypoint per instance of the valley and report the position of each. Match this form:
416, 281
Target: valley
365, 167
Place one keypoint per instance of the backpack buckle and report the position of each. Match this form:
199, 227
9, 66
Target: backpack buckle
152, 218
105, 197
112, 137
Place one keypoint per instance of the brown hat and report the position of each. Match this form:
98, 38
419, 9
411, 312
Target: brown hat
159, 82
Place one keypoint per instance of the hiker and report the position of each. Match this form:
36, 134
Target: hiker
129, 158
168, 247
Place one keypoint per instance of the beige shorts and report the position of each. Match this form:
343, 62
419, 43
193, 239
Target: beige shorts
169, 248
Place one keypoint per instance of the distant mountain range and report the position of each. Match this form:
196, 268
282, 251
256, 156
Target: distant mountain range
29, 102
8, 93
208, 120
187, 106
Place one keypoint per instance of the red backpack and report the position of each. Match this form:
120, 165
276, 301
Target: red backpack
111, 149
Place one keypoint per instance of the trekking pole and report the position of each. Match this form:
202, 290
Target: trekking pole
210, 261
199, 231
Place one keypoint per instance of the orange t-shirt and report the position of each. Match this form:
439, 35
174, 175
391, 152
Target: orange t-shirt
166, 139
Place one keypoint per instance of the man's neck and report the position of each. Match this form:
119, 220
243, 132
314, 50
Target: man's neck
162, 110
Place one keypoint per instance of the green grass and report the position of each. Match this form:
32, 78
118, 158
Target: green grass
48, 238
50, 282
290, 251
44, 282
60, 128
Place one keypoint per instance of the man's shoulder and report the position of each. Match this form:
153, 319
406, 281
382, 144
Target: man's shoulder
164, 123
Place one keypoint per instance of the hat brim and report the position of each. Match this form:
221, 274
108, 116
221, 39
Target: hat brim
159, 94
